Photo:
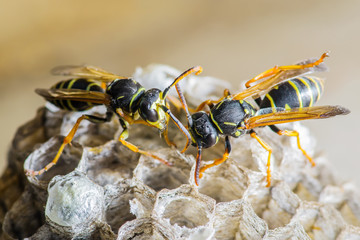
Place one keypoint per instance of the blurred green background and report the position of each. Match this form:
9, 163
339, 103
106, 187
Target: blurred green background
232, 40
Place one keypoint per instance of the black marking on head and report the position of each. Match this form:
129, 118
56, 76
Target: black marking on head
203, 130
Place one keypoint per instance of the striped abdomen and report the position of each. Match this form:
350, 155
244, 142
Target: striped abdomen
295, 93
77, 83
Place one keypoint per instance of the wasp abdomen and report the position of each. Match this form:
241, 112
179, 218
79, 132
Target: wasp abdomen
295, 93
77, 83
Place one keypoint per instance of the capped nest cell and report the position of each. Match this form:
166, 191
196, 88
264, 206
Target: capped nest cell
101, 190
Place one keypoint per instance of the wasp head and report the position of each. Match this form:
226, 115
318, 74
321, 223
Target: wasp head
203, 131
150, 110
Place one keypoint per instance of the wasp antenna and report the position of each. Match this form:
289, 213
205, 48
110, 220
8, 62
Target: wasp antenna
198, 163
184, 104
197, 70
179, 125
325, 54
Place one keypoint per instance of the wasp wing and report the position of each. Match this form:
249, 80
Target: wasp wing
85, 72
295, 114
75, 95
280, 77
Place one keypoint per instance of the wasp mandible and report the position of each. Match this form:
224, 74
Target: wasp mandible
289, 97
122, 96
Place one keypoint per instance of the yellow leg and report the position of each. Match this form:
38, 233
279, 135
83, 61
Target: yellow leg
296, 134
134, 148
268, 148
124, 135
219, 160
277, 69
214, 163
166, 136
187, 142
66, 141
211, 103
207, 103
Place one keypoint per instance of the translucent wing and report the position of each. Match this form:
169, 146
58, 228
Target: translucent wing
295, 114
280, 77
74, 94
86, 72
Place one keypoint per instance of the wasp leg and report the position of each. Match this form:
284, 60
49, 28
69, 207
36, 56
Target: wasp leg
277, 69
179, 125
166, 132
166, 136
219, 160
131, 121
226, 92
103, 85
174, 101
267, 148
124, 135
290, 133
68, 139
211, 103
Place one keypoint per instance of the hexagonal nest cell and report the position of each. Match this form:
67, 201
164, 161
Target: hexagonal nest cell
100, 189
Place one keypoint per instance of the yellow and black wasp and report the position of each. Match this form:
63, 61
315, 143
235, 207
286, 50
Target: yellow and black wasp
289, 96
122, 96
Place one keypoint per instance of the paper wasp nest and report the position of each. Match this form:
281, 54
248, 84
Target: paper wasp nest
101, 190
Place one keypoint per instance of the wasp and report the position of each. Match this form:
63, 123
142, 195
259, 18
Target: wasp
289, 96
122, 96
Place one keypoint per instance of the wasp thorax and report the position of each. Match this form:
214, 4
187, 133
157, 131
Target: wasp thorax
203, 130
125, 94
150, 111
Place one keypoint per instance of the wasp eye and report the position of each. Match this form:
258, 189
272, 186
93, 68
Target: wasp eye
147, 113
204, 130
147, 107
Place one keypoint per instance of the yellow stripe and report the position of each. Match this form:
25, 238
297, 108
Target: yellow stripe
297, 93
135, 95
273, 106
308, 86
71, 106
90, 85
219, 104
88, 89
230, 123
213, 120
321, 81
197, 134
71, 83
250, 104
61, 101
316, 85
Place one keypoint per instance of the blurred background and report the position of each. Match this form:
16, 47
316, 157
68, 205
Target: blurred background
232, 40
